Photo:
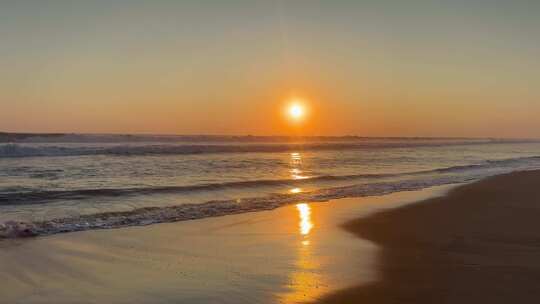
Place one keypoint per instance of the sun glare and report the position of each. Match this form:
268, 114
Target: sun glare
296, 110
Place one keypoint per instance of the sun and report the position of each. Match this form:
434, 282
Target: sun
296, 110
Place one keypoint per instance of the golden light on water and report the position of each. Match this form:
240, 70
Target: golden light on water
295, 190
296, 164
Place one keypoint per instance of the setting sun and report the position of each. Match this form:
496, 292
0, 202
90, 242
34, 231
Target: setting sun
296, 110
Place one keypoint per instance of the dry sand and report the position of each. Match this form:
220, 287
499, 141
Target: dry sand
478, 244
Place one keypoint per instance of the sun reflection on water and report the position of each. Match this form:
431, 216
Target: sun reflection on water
295, 190
296, 163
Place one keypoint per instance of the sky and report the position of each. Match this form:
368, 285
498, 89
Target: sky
464, 68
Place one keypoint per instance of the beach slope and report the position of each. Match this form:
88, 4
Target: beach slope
478, 244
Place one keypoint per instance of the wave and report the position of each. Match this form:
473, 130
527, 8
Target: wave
486, 165
35, 197
156, 138
153, 215
374, 184
32, 150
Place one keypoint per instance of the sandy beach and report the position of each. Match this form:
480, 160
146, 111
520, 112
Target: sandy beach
478, 244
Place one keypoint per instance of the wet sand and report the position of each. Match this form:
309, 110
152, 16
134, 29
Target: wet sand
291, 254
478, 244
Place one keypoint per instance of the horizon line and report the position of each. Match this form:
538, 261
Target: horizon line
256, 136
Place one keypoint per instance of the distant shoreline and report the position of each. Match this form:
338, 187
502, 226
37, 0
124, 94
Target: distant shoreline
478, 244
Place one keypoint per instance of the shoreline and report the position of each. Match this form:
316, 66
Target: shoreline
479, 243
484, 248
297, 253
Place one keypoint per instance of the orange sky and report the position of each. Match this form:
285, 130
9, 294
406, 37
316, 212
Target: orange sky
370, 68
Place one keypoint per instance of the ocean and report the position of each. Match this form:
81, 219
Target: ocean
70, 182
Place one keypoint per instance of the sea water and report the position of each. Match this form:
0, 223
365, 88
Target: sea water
69, 182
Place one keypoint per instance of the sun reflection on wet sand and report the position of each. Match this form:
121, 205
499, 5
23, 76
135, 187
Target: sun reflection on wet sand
305, 283
305, 218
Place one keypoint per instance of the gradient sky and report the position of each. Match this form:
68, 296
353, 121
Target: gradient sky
371, 68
